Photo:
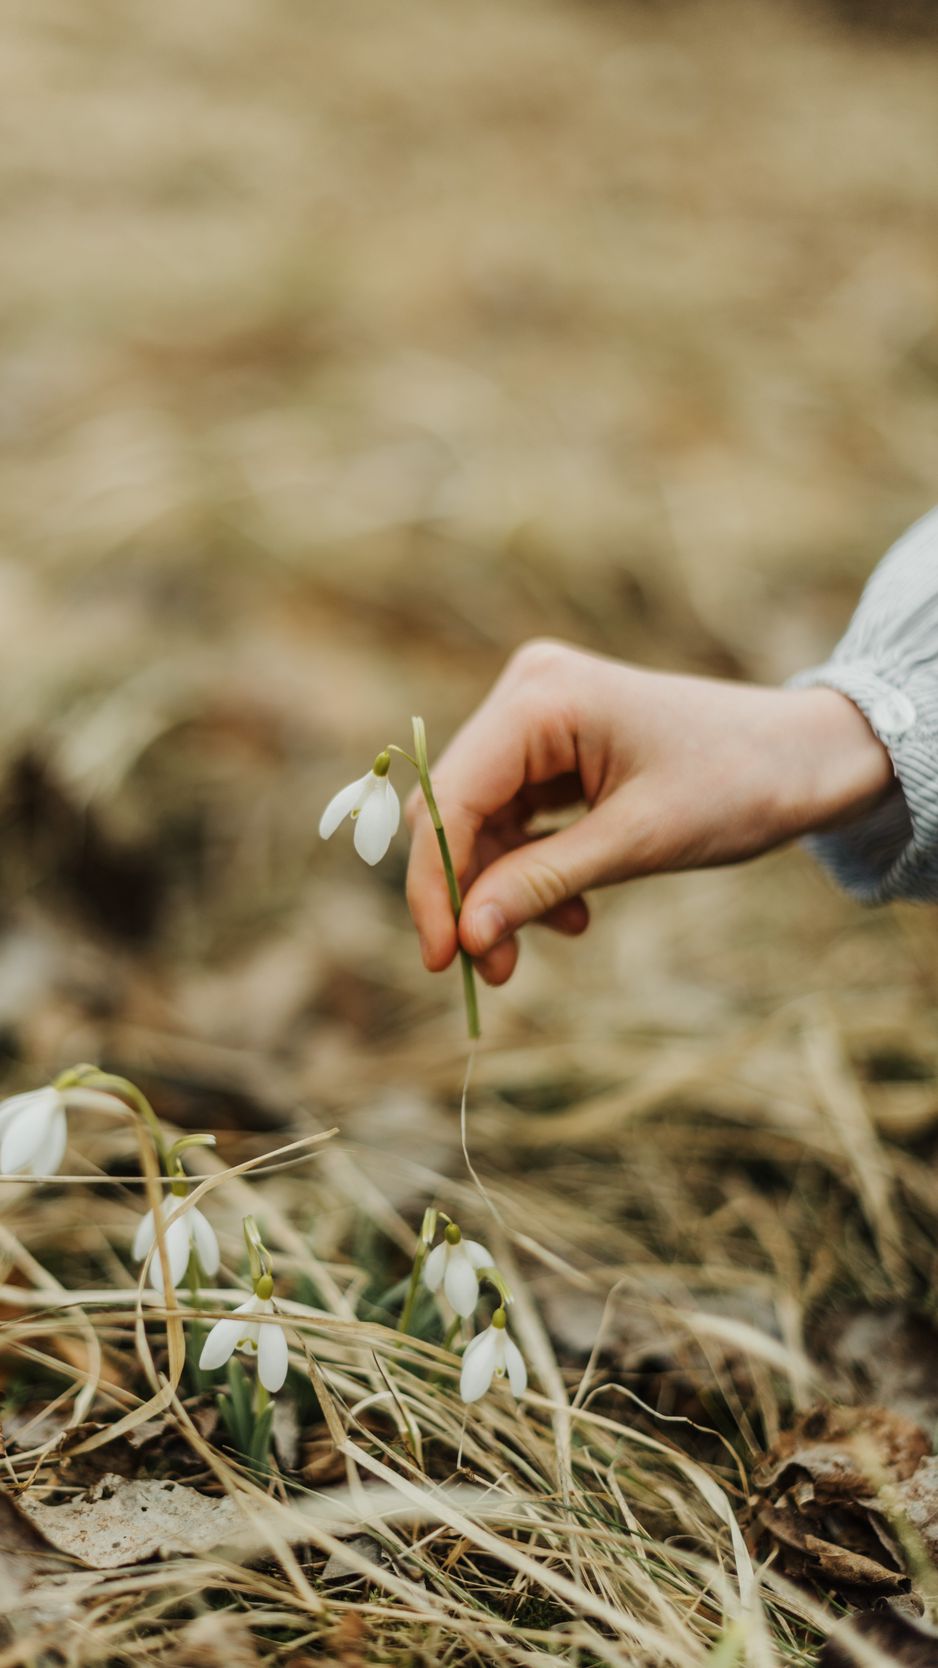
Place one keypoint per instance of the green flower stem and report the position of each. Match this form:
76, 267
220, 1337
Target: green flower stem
91, 1077
452, 884
413, 1286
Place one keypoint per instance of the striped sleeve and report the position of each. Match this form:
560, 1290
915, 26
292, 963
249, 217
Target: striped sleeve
887, 663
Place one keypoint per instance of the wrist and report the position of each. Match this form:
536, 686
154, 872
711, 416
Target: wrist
847, 770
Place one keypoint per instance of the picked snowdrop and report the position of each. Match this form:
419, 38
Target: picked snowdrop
33, 1132
190, 1231
454, 1265
491, 1354
374, 807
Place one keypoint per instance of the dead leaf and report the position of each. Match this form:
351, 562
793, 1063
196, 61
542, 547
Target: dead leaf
119, 1522
844, 1451
821, 1495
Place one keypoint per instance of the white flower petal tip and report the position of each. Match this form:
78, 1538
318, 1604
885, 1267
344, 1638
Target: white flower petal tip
373, 804
491, 1354
33, 1132
235, 1331
341, 805
189, 1231
273, 1357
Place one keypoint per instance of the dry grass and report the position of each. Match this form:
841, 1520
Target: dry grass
344, 348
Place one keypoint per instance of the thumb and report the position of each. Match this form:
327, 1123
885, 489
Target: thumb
533, 880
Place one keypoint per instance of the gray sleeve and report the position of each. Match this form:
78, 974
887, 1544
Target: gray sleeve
887, 663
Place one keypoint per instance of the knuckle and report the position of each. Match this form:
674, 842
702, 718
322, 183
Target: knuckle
546, 888
536, 658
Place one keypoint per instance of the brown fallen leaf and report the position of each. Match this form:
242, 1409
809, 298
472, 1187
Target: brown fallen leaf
119, 1521
844, 1451
820, 1495
841, 1565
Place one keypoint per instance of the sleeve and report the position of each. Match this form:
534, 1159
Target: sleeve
887, 664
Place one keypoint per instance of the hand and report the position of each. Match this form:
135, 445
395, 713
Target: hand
674, 772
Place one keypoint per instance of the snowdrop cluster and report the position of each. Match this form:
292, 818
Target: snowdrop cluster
455, 1265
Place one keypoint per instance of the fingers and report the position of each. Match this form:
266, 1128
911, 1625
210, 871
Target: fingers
539, 881
497, 967
480, 773
571, 918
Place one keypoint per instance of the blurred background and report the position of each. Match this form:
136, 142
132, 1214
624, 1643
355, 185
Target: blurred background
343, 348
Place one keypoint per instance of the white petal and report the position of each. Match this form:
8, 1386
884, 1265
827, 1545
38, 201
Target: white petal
224, 1336
205, 1241
478, 1365
460, 1283
30, 1131
144, 1237
377, 821
176, 1240
56, 1143
435, 1267
341, 804
31, 1099
219, 1345
478, 1256
272, 1357
517, 1371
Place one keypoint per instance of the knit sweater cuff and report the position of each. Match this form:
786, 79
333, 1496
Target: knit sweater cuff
887, 664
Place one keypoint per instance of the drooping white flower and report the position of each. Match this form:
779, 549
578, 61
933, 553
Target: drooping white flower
452, 1264
236, 1331
190, 1231
491, 1354
374, 807
33, 1132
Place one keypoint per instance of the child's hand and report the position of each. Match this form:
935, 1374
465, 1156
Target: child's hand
675, 773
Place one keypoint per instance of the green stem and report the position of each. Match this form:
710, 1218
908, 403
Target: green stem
452, 884
91, 1077
413, 1284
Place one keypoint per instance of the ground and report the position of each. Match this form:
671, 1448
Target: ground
344, 348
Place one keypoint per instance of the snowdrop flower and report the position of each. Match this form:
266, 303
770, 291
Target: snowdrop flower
190, 1232
238, 1331
33, 1132
452, 1264
491, 1354
374, 807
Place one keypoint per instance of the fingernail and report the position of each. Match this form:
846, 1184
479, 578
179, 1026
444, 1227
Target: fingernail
424, 949
489, 924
